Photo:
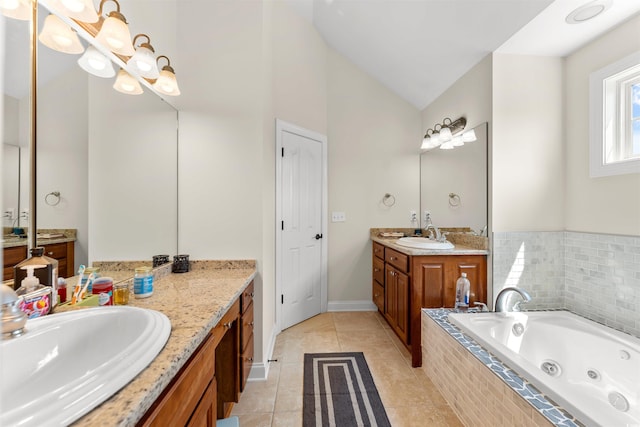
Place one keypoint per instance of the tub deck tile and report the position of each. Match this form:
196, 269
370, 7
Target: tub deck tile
554, 413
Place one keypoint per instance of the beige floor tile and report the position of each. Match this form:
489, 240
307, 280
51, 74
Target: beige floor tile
287, 419
410, 398
255, 420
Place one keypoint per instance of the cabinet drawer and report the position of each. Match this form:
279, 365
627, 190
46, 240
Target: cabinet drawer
378, 270
246, 361
12, 256
57, 250
378, 250
378, 295
397, 259
246, 298
226, 322
246, 329
180, 399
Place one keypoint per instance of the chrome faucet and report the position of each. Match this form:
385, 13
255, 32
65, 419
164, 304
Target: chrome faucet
432, 230
501, 300
13, 319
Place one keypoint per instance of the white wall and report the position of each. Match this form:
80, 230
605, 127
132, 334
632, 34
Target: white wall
607, 204
222, 207
374, 142
527, 142
469, 97
63, 122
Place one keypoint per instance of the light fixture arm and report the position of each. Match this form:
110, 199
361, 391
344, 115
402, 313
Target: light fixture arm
115, 14
147, 44
167, 67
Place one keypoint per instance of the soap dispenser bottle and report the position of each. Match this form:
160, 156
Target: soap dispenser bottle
463, 289
36, 298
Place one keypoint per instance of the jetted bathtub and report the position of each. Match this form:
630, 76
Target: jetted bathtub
591, 370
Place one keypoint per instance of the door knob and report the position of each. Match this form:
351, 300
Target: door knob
318, 236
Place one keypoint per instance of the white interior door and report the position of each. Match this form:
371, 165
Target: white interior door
301, 226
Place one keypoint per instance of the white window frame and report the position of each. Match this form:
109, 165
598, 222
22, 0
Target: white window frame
609, 117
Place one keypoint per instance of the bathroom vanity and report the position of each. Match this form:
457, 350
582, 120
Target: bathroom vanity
405, 280
205, 363
61, 248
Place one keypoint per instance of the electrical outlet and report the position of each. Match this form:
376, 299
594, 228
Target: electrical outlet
413, 216
425, 215
338, 217
9, 213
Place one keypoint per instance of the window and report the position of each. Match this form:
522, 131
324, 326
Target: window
615, 118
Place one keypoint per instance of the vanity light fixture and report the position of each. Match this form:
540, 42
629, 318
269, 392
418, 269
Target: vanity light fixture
16, 9
96, 63
80, 10
447, 135
127, 84
59, 36
115, 32
143, 62
166, 83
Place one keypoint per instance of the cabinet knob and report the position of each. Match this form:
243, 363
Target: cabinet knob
376, 270
228, 325
251, 294
49, 253
391, 258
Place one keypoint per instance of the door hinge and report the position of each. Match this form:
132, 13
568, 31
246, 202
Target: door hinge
282, 225
281, 298
282, 151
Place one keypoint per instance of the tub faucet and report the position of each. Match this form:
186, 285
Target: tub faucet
501, 300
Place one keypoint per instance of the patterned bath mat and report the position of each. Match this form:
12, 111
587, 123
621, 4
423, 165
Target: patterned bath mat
339, 392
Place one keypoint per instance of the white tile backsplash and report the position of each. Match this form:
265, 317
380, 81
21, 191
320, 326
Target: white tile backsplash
594, 275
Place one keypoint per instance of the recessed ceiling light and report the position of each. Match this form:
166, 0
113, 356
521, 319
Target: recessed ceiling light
588, 11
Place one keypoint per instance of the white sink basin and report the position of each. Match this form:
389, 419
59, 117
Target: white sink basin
424, 243
67, 364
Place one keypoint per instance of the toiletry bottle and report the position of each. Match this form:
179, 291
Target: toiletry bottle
31, 282
143, 282
45, 269
463, 289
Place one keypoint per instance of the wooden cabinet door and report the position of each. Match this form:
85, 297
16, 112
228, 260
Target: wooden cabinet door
476, 269
390, 295
205, 413
403, 303
430, 279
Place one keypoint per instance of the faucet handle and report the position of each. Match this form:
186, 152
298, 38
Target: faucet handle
481, 306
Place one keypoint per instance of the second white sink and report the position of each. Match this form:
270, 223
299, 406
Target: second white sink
67, 364
424, 243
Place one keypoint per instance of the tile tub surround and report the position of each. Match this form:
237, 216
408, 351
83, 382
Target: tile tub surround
594, 275
477, 385
194, 303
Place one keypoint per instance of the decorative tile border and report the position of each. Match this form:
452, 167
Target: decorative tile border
557, 415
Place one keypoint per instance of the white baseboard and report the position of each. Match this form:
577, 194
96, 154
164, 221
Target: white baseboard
260, 371
362, 305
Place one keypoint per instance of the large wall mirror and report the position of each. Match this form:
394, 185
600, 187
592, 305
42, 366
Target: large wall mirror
111, 157
453, 184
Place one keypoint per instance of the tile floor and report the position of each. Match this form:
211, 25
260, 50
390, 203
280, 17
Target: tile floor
409, 397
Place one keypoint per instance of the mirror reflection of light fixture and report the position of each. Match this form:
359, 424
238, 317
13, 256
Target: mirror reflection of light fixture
59, 36
115, 32
80, 10
143, 62
126, 83
96, 63
166, 83
447, 135
16, 9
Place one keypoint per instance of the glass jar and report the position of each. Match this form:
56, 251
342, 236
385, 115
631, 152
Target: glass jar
121, 293
143, 282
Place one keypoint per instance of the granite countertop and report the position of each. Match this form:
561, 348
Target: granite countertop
57, 236
459, 249
194, 302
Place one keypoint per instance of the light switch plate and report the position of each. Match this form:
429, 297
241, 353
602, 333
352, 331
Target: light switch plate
338, 217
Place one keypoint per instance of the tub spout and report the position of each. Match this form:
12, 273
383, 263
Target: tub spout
501, 300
